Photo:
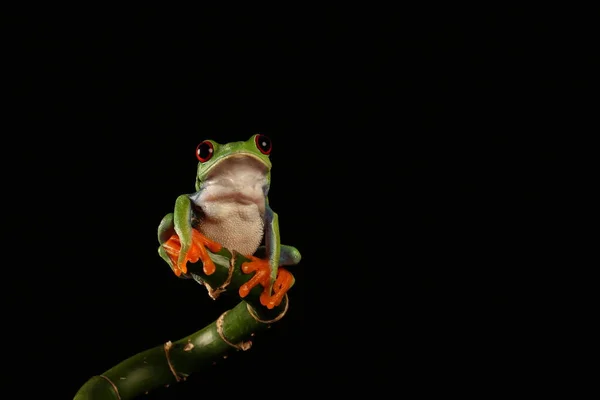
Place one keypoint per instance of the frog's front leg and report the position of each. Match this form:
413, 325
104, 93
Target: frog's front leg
275, 281
180, 243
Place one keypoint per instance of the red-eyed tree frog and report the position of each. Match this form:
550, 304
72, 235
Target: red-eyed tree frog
230, 208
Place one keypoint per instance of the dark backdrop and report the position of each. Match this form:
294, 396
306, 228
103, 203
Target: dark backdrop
408, 170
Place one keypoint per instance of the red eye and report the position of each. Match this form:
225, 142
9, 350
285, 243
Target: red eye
263, 143
204, 151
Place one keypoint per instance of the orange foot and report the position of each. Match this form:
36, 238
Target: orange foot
262, 275
197, 251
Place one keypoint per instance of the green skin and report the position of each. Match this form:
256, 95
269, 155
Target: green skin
181, 220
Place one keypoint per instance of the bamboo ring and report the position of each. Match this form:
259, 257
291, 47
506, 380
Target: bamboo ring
167, 347
240, 346
270, 321
214, 293
113, 385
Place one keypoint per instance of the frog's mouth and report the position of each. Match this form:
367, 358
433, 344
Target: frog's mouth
240, 177
239, 160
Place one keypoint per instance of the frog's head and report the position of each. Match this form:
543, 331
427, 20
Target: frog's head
215, 158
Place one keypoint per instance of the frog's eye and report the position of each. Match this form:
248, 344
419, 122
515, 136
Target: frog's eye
263, 143
204, 151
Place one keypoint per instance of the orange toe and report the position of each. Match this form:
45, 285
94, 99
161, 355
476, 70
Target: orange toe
283, 283
262, 276
197, 251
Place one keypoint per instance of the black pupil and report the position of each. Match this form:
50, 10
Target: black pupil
264, 143
204, 151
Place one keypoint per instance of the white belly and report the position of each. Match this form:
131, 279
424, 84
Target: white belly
234, 225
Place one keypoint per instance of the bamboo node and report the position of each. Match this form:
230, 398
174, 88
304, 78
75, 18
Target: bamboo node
270, 321
167, 347
240, 346
215, 293
113, 386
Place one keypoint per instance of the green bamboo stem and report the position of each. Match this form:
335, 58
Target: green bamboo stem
174, 361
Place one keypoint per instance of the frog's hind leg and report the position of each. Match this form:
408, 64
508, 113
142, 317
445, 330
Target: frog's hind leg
166, 229
288, 255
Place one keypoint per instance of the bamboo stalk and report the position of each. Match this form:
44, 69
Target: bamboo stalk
174, 361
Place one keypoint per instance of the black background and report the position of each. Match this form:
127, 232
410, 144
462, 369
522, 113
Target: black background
414, 167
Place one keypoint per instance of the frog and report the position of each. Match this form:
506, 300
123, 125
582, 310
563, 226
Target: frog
230, 208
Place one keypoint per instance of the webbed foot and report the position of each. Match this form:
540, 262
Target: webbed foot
270, 296
197, 251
